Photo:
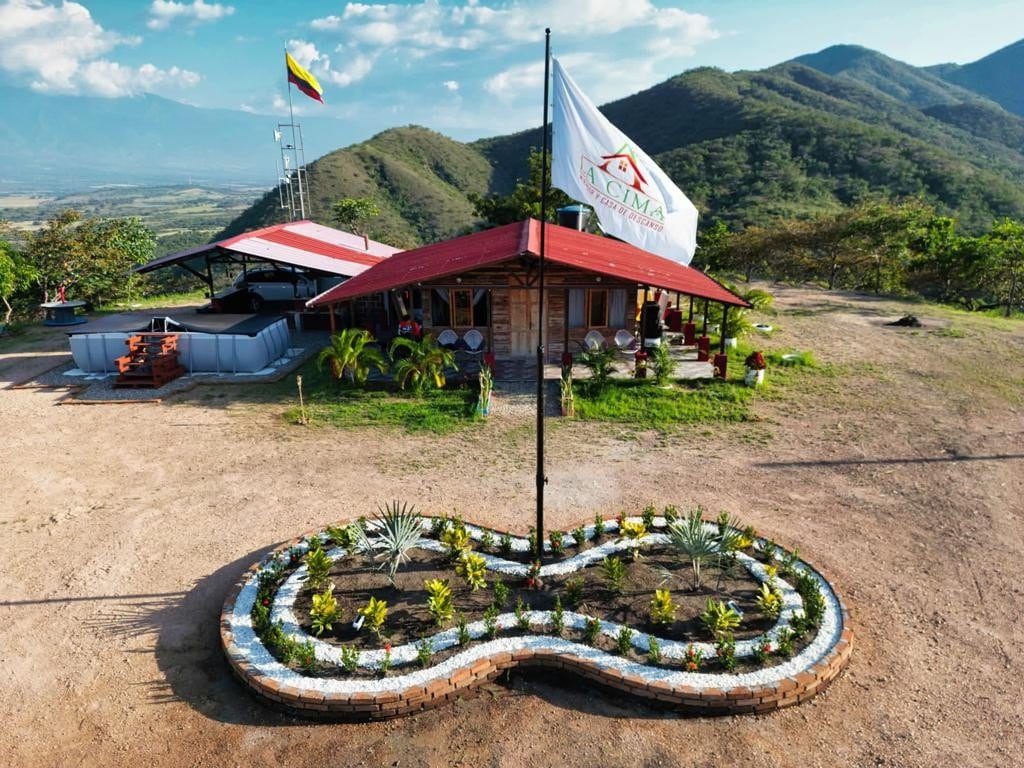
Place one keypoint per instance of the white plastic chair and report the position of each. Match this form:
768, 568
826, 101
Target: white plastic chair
594, 340
474, 341
448, 338
625, 341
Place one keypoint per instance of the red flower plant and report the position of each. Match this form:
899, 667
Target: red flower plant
756, 361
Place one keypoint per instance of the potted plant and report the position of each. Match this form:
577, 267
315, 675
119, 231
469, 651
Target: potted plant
486, 387
568, 399
755, 369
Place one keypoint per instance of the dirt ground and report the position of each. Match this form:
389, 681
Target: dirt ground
900, 470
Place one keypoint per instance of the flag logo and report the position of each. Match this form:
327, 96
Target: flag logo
597, 164
617, 182
302, 79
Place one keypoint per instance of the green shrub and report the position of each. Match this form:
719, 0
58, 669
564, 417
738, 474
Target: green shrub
579, 535
325, 611
725, 651
375, 612
558, 617
473, 569
591, 630
719, 618
574, 591
653, 650
522, 620
505, 545
424, 651
624, 640
439, 600
614, 574
663, 610
464, 636
598, 525
491, 622
501, 593
349, 658
769, 601
318, 568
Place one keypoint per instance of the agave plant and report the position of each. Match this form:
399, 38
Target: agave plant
424, 363
693, 539
349, 356
395, 532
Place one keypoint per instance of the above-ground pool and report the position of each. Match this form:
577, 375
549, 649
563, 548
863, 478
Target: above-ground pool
207, 343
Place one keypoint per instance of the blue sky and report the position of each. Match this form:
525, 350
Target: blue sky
470, 68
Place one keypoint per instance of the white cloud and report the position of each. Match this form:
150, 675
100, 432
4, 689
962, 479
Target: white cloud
163, 12
639, 34
355, 67
516, 79
451, 85
61, 49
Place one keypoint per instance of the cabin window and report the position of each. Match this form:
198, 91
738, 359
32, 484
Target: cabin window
597, 307
459, 307
577, 307
462, 308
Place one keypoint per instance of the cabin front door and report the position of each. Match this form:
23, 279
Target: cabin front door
523, 321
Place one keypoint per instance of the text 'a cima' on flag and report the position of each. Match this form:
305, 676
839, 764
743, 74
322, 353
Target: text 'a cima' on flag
596, 163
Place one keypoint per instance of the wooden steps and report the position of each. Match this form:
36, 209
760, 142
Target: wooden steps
152, 361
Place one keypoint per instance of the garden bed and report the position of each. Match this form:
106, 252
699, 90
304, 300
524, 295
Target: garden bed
565, 613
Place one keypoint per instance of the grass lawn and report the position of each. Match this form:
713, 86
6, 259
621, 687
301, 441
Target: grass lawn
329, 404
642, 403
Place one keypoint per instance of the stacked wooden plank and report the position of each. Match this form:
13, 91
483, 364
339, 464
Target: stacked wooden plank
152, 361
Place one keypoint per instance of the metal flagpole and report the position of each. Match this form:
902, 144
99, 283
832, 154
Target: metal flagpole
295, 145
540, 305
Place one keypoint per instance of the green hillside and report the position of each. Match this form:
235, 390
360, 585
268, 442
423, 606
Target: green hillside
997, 76
803, 137
419, 178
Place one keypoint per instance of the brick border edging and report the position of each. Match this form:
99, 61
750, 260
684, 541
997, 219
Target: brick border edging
462, 682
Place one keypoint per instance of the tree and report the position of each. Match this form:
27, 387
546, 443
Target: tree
1005, 244
524, 202
353, 213
15, 275
91, 257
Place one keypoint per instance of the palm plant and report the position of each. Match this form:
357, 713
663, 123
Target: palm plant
601, 362
664, 364
425, 361
349, 356
694, 540
395, 532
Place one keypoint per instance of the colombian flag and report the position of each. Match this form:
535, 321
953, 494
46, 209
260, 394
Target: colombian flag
304, 81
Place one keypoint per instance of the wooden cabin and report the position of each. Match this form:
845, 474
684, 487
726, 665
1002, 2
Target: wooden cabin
489, 281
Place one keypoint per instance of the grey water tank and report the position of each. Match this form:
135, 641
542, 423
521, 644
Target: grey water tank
574, 217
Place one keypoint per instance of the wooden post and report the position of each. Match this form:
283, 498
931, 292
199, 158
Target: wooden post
721, 335
704, 331
565, 335
690, 318
330, 310
490, 321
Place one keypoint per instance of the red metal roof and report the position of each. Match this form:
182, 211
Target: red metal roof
298, 243
581, 250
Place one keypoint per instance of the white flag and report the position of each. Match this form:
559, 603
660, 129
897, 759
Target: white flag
594, 162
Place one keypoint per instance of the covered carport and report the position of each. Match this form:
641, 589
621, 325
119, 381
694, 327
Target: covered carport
327, 255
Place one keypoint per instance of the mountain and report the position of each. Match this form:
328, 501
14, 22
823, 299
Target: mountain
64, 142
806, 136
911, 85
419, 178
997, 76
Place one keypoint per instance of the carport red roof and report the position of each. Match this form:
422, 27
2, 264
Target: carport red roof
592, 253
298, 243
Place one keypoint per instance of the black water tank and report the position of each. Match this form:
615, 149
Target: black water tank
574, 217
650, 320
